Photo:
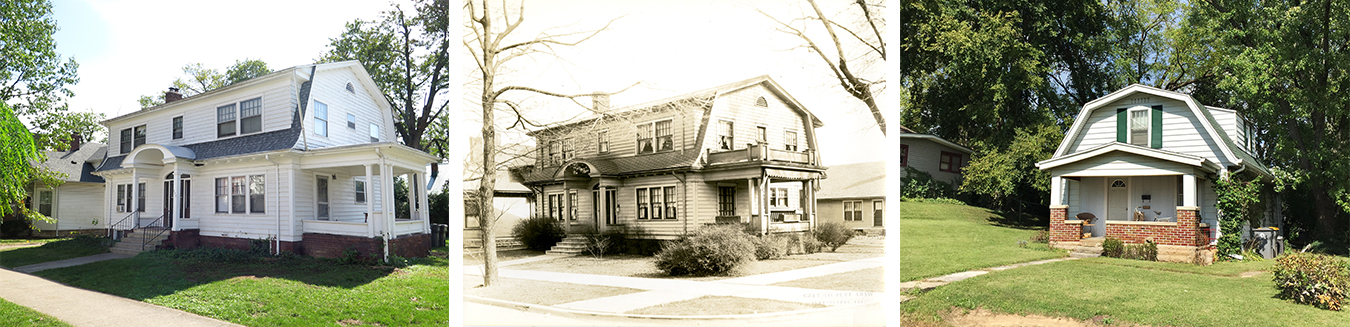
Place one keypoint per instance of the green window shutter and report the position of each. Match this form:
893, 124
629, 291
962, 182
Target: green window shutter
1156, 138
1122, 126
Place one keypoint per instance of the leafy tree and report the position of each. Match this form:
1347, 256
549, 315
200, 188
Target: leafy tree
1239, 200
33, 78
201, 79
16, 166
408, 58
1011, 173
1283, 66
851, 58
54, 132
439, 205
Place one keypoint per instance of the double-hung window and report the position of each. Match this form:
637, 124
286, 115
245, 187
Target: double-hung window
644, 139
241, 194
1139, 122
949, 162
320, 118
45, 202
568, 151
761, 134
654, 137
374, 133
658, 202
572, 204
853, 211
132, 138
778, 197
351, 121
669, 191
725, 136
642, 203
244, 117
178, 127
360, 191
602, 139
664, 142
904, 155
124, 198
790, 140
726, 201
554, 152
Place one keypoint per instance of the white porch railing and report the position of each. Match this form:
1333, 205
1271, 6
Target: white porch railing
406, 227
336, 227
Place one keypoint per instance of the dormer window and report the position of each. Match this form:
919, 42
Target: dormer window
246, 120
725, 139
1141, 126
662, 141
320, 118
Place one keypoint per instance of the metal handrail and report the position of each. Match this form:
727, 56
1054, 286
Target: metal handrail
119, 222
161, 232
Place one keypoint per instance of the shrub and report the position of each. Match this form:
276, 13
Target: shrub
710, 250
833, 235
538, 233
1112, 247
1310, 278
1147, 251
770, 246
1041, 236
17, 228
920, 185
598, 245
810, 244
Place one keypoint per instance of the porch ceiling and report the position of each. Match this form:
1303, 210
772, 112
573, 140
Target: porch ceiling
1147, 153
354, 158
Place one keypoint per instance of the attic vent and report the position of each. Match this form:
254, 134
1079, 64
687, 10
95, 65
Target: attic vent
761, 102
351, 89
1141, 100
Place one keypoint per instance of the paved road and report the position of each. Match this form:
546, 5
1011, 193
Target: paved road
483, 315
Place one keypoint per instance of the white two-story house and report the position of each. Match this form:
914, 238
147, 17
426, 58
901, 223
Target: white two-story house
743, 152
301, 158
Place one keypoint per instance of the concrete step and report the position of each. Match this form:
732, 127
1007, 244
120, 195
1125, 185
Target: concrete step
1084, 255
565, 252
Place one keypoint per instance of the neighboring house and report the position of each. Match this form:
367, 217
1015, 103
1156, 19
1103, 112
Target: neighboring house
942, 159
743, 152
1142, 160
77, 204
855, 196
301, 157
511, 203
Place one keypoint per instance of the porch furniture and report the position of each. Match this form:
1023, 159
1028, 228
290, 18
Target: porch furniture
1087, 218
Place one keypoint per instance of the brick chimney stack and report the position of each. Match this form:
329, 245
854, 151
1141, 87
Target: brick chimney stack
172, 95
600, 101
75, 141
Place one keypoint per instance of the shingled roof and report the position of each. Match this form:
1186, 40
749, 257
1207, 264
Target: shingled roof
856, 180
75, 163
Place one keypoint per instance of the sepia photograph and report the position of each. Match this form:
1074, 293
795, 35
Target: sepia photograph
676, 163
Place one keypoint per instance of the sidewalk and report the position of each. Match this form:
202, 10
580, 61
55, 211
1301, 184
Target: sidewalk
69, 262
934, 282
661, 291
80, 307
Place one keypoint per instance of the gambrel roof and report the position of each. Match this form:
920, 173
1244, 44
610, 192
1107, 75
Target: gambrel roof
1228, 149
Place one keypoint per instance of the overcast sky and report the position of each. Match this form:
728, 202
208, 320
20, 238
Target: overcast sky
131, 48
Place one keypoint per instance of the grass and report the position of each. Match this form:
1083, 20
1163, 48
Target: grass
17, 315
11, 241
865, 280
540, 292
272, 291
1128, 292
723, 305
477, 258
940, 239
53, 251
643, 266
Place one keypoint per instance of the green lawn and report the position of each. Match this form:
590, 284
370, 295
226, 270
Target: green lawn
271, 291
1127, 291
16, 315
52, 251
940, 239
13, 241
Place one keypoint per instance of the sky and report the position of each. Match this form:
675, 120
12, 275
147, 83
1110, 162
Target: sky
675, 47
127, 49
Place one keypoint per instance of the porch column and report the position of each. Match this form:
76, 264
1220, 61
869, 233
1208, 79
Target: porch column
604, 207
807, 202
370, 202
424, 212
1188, 190
178, 197
387, 205
754, 209
764, 201
135, 199
1056, 190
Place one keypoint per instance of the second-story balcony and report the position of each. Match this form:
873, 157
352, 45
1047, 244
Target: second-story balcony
761, 152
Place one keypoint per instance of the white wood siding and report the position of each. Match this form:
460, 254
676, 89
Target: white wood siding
739, 107
199, 117
330, 87
622, 134
1182, 130
926, 155
1118, 163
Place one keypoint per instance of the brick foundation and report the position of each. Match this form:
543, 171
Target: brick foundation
412, 246
184, 239
1061, 232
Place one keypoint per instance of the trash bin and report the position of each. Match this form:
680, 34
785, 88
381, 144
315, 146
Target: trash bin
1267, 242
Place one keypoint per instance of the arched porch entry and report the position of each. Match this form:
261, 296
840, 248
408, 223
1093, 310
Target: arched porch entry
145, 164
588, 198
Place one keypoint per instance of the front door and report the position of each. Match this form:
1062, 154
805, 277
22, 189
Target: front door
321, 197
876, 213
168, 204
1117, 203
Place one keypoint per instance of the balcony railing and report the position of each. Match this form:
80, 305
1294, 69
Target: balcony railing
760, 152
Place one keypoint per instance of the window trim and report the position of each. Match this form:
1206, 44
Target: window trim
315, 114
51, 201
239, 119
954, 163
646, 204
177, 127
795, 145
856, 210
602, 141
127, 138
360, 190
774, 199
247, 193
761, 134
374, 129
730, 138
650, 127
351, 121
729, 204
1148, 125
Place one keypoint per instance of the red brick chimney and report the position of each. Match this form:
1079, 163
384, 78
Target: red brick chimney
75, 141
172, 95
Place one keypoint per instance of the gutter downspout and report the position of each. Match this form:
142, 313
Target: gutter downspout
277, 168
303, 137
386, 191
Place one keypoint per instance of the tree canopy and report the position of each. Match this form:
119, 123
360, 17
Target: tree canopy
201, 79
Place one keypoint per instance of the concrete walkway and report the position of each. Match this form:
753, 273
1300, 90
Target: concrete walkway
947, 279
662, 291
88, 308
69, 262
